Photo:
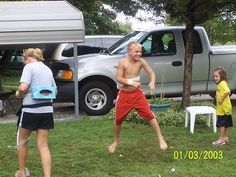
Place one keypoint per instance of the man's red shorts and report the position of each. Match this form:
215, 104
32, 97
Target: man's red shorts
126, 101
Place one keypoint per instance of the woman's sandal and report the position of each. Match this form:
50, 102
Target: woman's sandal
219, 142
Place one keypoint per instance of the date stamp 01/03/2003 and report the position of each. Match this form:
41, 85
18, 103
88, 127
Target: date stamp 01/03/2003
198, 155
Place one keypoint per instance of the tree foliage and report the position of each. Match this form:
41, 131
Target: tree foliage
98, 19
221, 30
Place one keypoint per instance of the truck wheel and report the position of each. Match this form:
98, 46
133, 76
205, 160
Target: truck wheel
96, 98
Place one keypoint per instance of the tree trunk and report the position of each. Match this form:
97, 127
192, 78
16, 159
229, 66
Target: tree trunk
188, 63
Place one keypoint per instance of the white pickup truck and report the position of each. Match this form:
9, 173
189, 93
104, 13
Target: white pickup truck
163, 49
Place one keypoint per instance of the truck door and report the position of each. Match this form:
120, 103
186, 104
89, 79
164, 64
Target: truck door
160, 50
200, 64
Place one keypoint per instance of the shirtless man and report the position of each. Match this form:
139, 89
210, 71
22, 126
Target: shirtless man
131, 95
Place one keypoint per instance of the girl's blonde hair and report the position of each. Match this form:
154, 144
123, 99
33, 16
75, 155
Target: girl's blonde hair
222, 73
35, 53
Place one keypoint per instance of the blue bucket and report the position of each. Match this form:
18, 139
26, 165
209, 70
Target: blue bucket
159, 107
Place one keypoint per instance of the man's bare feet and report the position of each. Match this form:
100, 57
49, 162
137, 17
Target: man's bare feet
163, 145
112, 148
18, 174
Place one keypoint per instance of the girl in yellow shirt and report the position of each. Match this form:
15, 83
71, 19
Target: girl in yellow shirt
223, 106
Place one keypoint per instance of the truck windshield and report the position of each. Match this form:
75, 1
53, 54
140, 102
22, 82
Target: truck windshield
120, 47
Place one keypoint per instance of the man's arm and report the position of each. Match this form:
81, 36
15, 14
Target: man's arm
150, 73
120, 73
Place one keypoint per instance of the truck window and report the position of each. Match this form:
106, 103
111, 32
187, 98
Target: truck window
197, 45
120, 47
159, 44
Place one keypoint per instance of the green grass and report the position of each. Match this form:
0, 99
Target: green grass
79, 148
11, 82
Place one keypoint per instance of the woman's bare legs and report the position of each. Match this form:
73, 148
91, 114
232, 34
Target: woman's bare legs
222, 138
23, 135
157, 130
226, 135
42, 142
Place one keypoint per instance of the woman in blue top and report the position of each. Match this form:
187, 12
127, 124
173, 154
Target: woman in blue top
36, 115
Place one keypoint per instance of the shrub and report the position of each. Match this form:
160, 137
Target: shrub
173, 116
158, 100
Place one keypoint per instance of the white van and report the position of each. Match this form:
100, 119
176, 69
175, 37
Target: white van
92, 44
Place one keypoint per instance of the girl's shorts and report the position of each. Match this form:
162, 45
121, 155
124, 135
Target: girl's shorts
224, 121
34, 121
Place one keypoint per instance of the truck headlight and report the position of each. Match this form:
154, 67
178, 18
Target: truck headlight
65, 75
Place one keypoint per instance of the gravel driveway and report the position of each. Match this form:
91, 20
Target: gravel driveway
61, 111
